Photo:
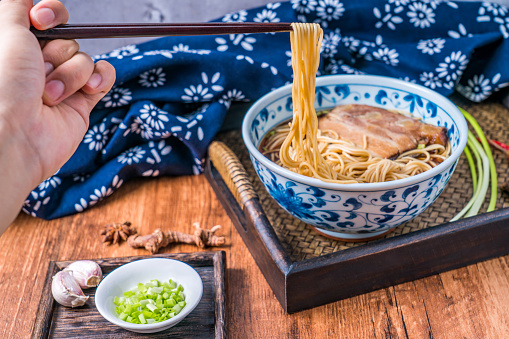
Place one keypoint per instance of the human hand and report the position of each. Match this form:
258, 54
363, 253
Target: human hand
46, 94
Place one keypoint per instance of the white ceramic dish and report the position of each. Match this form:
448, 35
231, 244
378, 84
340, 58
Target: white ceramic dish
127, 276
364, 210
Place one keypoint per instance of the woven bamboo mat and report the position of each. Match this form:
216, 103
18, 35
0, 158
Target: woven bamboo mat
302, 242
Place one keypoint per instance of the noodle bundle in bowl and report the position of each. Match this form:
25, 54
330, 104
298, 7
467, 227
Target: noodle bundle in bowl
379, 154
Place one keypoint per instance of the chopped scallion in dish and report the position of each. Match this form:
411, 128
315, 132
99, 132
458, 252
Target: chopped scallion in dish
151, 302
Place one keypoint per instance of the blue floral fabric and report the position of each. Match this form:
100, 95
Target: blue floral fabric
172, 94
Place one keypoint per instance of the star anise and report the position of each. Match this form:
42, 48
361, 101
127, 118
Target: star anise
114, 233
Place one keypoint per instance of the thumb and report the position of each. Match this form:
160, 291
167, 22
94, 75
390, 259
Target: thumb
15, 12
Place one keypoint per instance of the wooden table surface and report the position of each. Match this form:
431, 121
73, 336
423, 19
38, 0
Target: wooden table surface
469, 302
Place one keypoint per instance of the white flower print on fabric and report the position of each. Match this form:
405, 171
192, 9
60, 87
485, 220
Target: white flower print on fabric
273, 5
153, 78
246, 58
124, 51
40, 201
115, 122
389, 56
81, 205
487, 9
157, 150
201, 92
198, 166
407, 79
239, 16
192, 126
181, 48
99, 57
151, 173
462, 32
273, 69
431, 46
504, 26
399, 3
163, 52
196, 94
369, 47
52, 181
245, 41
388, 18
478, 88
301, 18
332, 66
80, 177
39, 195
429, 79
421, 15
351, 43
138, 126
304, 6
232, 95
96, 137
329, 10
99, 194
154, 116
434, 3
266, 16
213, 81
330, 44
452, 67
289, 60
117, 97
132, 155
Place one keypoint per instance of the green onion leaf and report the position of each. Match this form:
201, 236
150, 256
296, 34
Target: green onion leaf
486, 170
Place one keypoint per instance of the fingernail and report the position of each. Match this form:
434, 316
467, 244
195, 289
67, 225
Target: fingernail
54, 89
49, 67
95, 80
45, 16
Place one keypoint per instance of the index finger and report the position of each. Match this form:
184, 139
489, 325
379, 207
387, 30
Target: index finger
48, 14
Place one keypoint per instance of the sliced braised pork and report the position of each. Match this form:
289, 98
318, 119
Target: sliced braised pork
388, 134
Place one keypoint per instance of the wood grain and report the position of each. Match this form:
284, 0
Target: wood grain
206, 321
471, 302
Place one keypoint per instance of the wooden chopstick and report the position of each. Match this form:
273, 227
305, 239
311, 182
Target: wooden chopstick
94, 31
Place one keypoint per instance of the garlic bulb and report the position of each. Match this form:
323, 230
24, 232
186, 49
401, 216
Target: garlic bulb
86, 272
66, 290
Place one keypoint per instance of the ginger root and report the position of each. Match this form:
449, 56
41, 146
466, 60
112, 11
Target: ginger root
159, 239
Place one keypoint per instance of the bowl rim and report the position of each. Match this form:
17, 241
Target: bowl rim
440, 100
148, 327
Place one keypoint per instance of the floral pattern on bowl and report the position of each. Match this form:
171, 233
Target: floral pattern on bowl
355, 210
352, 212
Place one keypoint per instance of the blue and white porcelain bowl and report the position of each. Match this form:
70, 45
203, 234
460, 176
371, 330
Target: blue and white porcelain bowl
364, 210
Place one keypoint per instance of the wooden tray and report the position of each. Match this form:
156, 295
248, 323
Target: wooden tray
302, 277
206, 321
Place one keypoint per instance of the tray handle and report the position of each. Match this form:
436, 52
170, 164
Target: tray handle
232, 172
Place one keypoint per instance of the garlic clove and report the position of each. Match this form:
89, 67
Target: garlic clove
66, 290
86, 272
